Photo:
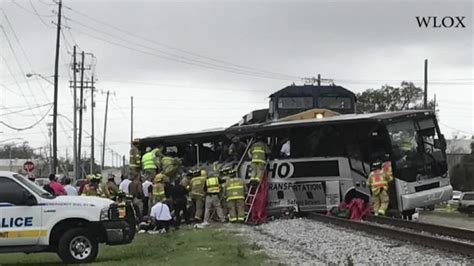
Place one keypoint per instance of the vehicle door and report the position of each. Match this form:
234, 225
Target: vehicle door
20, 215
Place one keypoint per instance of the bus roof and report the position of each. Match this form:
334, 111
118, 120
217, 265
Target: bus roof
213, 135
199, 136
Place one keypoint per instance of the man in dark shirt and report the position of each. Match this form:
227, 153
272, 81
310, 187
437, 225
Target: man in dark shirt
178, 195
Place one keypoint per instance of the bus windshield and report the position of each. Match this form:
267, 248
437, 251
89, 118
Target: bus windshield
414, 150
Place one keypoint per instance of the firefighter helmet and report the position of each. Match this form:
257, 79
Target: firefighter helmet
95, 178
159, 177
376, 165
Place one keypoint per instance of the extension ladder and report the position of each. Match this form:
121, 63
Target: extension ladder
250, 200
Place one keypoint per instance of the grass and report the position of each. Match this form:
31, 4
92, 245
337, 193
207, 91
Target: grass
209, 246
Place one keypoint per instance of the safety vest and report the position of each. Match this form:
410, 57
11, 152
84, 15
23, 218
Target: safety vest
197, 186
147, 161
234, 189
159, 191
212, 184
387, 170
377, 181
258, 153
407, 144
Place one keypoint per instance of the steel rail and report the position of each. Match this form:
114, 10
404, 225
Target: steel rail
445, 244
424, 227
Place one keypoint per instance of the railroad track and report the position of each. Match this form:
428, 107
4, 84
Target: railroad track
401, 233
424, 227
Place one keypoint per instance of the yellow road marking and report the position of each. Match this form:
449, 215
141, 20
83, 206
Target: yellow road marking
24, 233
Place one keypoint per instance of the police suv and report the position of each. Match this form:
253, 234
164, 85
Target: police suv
32, 220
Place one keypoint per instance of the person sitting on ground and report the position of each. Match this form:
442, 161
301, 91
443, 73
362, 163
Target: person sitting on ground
160, 218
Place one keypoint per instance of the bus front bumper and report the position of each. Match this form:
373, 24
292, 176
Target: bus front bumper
426, 198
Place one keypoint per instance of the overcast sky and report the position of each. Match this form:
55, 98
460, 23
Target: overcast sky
193, 65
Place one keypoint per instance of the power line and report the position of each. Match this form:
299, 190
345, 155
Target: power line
29, 11
460, 130
28, 127
183, 61
19, 65
26, 109
38, 15
24, 53
292, 77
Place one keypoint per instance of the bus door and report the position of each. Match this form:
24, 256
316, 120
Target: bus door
379, 147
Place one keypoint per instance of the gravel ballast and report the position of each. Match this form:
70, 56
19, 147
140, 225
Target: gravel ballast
303, 241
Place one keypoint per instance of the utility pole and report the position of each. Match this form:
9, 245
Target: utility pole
425, 100
319, 80
131, 121
75, 168
123, 165
55, 108
50, 133
92, 125
81, 107
105, 130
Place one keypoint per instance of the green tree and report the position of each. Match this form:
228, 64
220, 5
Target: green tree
16, 151
389, 98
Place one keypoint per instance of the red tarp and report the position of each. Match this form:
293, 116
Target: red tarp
357, 207
258, 214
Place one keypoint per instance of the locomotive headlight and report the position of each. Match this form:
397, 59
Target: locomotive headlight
319, 116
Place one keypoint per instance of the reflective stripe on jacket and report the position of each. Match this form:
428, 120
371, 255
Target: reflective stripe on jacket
135, 158
197, 186
258, 153
212, 184
159, 191
234, 189
387, 171
377, 180
148, 161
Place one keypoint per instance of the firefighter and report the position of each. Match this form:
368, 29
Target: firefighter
235, 196
169, 167
378, 184
197, 193
213, 188
387, 169
158, 189
236, 149
135, 159
94, 187
112, 188
407, 142
258, 152
149, 165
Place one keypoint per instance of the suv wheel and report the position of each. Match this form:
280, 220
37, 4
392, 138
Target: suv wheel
77, 246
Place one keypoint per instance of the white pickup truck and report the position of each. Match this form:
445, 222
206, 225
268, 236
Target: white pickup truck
32, 220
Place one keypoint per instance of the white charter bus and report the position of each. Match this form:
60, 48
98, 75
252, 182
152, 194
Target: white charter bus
317, 163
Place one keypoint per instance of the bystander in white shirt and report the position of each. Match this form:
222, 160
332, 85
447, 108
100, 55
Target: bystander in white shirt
146, 186
160, 212
70, 190
124, 185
